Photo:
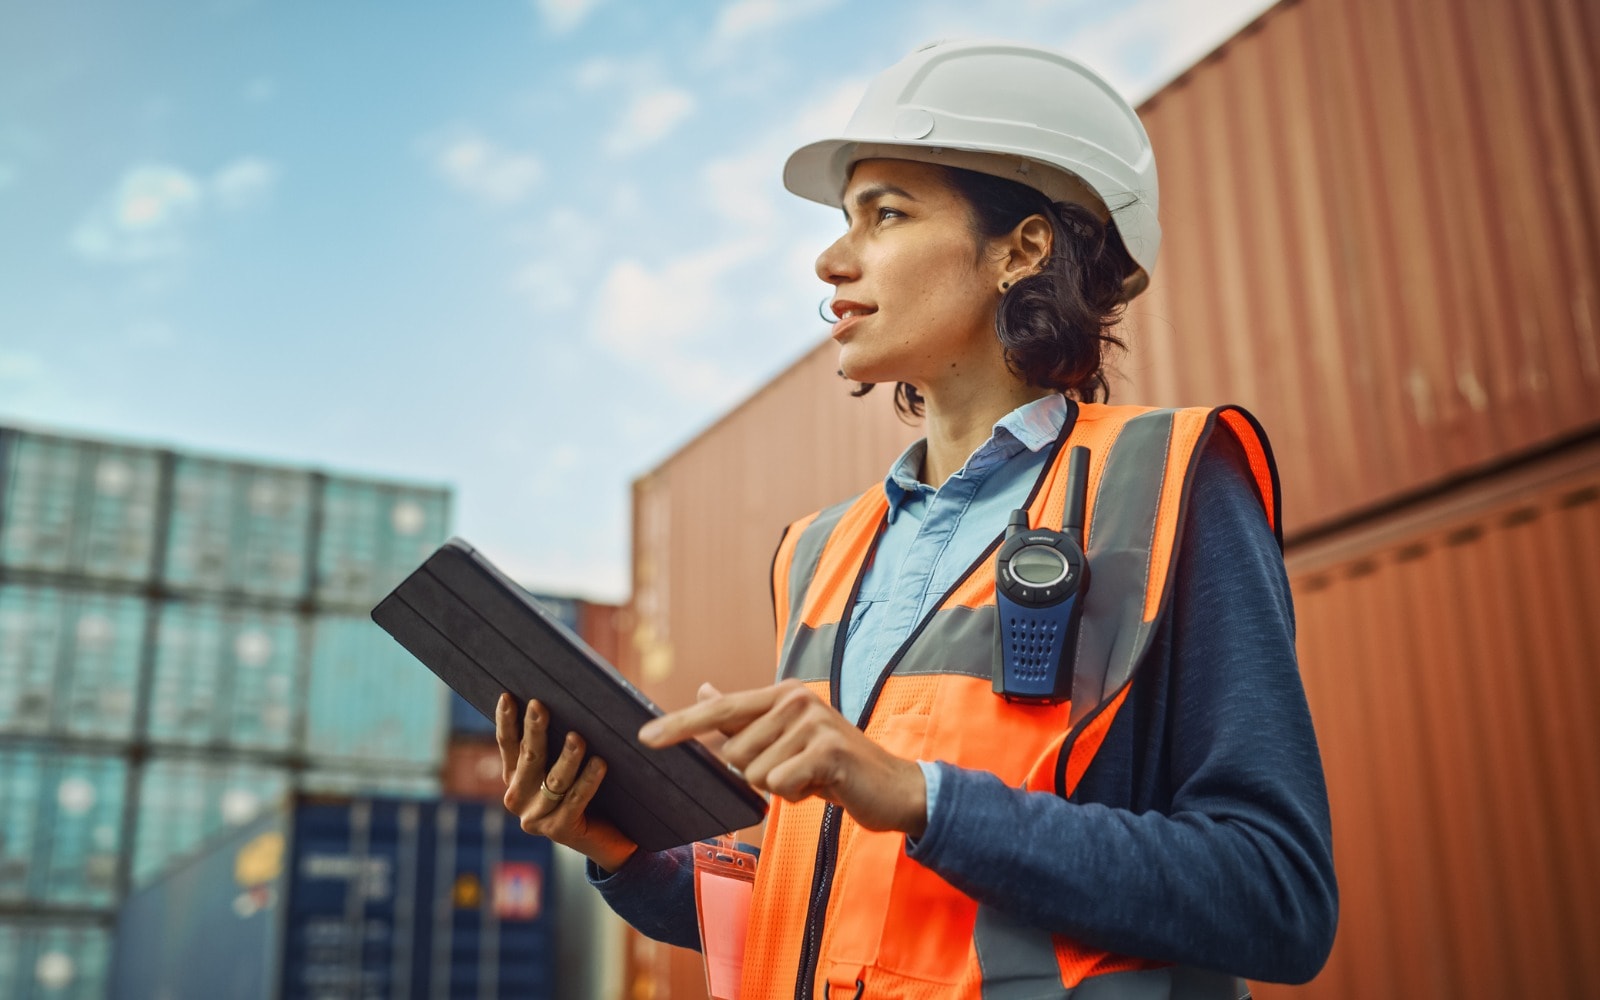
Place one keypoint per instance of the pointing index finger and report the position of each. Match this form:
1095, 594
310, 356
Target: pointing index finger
724, 713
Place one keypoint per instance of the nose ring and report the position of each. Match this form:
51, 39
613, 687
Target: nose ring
826, 313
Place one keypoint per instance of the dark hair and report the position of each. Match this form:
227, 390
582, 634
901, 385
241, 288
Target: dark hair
1055, 325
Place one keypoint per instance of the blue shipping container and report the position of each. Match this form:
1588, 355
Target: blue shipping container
369, 898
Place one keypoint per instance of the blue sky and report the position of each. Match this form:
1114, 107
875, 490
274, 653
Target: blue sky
522, 247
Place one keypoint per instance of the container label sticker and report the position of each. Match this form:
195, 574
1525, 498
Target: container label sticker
518, 890
468, 891
259, 861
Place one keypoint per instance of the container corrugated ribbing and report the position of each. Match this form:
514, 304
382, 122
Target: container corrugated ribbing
239, 528
370, 700
185, 801
225, 675
45, 959
362, 898
69, 661
61, 816
79, 507
373, 535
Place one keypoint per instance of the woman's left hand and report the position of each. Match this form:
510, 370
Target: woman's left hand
787, 741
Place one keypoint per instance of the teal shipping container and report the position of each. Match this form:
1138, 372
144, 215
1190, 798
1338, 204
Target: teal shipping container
54, 959
77, 507
61, 822
183, 802
373, 535
69, 662
225, 675
377, 899
370, 700
239, 529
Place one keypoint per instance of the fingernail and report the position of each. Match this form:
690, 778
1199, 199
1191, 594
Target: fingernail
649, 731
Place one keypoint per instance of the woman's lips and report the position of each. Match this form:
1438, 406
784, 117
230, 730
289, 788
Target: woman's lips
849, 313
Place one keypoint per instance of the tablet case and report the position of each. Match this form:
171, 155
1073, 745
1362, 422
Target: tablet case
482, 634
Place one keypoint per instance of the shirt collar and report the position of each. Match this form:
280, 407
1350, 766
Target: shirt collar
1029, 427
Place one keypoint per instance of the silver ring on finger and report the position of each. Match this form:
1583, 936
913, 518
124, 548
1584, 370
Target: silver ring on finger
553, 796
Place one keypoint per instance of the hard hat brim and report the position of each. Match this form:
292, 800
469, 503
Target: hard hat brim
819, 171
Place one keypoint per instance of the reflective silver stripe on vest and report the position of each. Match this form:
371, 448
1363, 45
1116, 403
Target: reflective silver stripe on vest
1114, 635
957, 641
1018, 961
1012, 947
802, 569
810, 656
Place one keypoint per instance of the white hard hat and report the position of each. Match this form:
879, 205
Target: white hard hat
1014, 111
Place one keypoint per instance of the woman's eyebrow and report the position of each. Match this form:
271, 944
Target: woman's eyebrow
868, 195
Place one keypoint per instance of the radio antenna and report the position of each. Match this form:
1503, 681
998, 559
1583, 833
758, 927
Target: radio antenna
1077, 492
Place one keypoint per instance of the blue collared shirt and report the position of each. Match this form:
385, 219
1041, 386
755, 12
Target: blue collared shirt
933, 535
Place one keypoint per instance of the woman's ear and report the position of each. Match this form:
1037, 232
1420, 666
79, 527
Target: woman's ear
1027, 248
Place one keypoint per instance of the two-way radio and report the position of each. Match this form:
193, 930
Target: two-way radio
1041, 580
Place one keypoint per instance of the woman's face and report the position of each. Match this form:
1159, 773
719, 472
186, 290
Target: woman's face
915, 298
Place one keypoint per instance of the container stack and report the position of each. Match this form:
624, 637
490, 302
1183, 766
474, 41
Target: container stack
183, 641
368, 898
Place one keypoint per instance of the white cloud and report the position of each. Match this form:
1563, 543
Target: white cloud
244, 183
146, 217
742, 18
747, 186
482, 169
153, 209
651, 116
653, 317
561, 16
1141, 45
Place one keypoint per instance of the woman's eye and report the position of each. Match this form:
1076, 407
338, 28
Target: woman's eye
885, 213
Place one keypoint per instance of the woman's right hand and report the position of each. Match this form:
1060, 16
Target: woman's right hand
552, 803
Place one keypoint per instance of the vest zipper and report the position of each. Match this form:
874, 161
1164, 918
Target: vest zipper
821, 889
828, 835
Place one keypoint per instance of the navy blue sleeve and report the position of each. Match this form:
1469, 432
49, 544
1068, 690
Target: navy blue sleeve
654, 891
1235, 872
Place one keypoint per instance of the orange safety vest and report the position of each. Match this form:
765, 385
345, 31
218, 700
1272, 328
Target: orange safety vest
839, 912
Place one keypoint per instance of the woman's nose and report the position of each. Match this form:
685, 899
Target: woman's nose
837, 264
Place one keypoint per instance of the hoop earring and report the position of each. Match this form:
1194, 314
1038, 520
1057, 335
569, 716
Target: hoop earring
827, 314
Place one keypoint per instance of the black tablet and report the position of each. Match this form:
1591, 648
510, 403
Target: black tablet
482, 634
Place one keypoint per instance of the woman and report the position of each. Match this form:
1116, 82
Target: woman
1162, 832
